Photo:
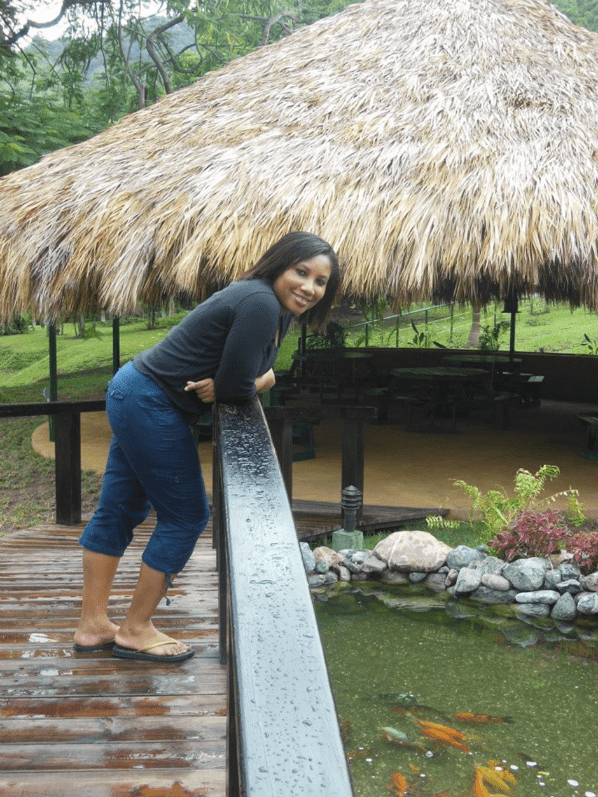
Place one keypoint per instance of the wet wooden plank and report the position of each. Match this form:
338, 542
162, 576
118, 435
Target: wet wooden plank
114, 706
116, 729
141, 754
96, 725
153, 783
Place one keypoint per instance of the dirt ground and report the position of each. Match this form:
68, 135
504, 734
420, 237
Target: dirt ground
418, 469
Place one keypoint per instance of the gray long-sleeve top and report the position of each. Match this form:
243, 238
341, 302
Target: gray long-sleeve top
230, 338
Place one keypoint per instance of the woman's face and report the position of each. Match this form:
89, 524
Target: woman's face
302, 285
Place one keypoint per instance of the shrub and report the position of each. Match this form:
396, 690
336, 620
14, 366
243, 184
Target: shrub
334, 337
584, 547
499, 511
490, 336
531, 534
591, 344
18, 325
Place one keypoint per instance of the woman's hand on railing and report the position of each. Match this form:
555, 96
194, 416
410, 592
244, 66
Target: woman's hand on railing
204, 388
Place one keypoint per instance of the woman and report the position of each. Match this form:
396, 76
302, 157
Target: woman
223, 350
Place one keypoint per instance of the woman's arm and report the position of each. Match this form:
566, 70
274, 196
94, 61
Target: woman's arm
206, 392
249, 337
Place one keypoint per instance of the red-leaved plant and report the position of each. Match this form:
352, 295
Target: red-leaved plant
531, 534
584, 547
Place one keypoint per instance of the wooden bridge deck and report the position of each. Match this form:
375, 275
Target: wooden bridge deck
99, 726
105, 727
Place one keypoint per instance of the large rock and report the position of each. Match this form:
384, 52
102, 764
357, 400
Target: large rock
468, 580
463, 556
549, 596
492, 566
327, 555
406, 551
564, 608
569, 570
494, 581
373, 564
527, 574
587, 603
436, 581
309, 561
489, 595
590, 583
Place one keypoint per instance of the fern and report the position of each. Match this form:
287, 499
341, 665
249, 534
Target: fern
498, 511
439, 522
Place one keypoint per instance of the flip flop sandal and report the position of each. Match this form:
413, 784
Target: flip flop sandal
143, 654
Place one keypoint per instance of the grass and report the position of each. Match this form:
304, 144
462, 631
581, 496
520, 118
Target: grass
84, 365
27, 485
539, 327
462, 533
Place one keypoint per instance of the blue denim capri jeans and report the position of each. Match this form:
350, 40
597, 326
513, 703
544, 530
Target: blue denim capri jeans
152, 461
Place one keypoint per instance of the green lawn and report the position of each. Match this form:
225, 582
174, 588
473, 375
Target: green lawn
85, 365
539, 327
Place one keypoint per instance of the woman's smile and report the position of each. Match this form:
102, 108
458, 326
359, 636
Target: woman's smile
302, 285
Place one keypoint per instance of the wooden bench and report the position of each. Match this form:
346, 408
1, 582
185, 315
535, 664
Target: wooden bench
591, 449
382, 397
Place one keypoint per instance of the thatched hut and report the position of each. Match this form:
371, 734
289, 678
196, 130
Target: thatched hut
447, 148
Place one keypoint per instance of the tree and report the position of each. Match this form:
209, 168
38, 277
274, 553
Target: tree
582, 12
16, 22
473, 341
117, 57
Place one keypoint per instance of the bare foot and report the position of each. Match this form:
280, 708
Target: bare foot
97, 633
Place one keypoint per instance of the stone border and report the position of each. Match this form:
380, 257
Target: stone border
535, 587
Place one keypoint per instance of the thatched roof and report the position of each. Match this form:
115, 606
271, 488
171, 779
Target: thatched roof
447, 148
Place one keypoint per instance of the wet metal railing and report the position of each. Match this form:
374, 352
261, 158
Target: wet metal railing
283, 731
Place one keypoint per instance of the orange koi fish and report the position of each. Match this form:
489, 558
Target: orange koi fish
346, 727
441, 728
486, 777
399, 784
443, 734
358, 753
479, 719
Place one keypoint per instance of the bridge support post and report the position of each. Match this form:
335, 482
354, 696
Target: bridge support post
68, 468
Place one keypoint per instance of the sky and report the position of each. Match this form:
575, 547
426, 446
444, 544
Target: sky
47, 10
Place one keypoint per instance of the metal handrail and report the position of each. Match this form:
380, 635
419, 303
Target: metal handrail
283, 731
398, 317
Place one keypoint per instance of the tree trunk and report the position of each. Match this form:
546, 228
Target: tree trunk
473, 341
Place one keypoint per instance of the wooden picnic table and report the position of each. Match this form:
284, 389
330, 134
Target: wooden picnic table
335, 371
591, 448
449, 390
438, 373
482, 359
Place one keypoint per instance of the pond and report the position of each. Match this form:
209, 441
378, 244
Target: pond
404, 665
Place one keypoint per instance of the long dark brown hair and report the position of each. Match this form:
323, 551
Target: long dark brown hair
293, 248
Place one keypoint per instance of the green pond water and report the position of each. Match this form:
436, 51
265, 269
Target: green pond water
395, 657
